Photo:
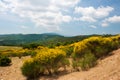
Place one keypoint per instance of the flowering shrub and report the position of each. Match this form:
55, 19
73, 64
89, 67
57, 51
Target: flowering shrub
68, 49
49, 60
97, 47
52, 59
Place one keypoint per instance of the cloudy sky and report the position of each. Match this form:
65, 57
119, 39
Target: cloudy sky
66, 17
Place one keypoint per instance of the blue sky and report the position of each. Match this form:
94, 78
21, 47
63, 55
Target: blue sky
66, 17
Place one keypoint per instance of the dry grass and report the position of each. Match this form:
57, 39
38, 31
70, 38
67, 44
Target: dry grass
5, 48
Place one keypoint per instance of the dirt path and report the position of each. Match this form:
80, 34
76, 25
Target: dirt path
12, 72
107, 69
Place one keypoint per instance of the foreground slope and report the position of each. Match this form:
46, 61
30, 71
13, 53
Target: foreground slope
107, 69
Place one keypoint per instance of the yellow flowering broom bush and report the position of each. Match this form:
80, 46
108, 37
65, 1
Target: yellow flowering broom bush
46, 61
97, 47
68, 49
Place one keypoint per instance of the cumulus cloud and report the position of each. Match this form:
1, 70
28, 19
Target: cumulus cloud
107, 21
44, 13
91, 14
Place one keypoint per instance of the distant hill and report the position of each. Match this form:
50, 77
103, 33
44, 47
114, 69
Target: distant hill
46, 39
18, 39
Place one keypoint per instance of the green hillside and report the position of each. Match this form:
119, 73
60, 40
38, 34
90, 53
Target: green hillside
46, 39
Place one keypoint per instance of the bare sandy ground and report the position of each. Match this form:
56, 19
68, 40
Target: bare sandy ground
107, 69
12, 72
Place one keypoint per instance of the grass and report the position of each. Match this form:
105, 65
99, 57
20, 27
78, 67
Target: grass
6, 48
12, 51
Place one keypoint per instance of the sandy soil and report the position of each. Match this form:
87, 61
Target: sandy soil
107, 69
13, 72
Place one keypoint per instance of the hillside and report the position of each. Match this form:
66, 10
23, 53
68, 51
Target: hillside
19, 39
107, 69
46, 39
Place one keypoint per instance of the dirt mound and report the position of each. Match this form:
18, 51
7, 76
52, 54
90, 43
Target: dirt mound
107, 69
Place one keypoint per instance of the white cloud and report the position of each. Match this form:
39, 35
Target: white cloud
44, 13
85, 18
65, 3
93, 13
107, 21
84, 11
113, 19
93, 26
104, 24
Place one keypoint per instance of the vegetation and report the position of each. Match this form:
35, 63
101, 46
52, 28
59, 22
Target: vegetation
82, 55
10, 51
89, 50
50, 40
4, 61
48, 61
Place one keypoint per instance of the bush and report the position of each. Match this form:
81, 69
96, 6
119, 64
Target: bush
80, 49
4, 61
30, 46
68, 49
46, 61
52, 59
31, 68
89, 50
87, 61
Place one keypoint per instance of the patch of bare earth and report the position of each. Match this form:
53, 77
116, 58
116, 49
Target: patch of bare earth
13, 72
107, 69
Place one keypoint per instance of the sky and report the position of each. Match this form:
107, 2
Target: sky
66, 17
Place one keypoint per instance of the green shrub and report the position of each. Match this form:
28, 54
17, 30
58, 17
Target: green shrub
31, 53
31, 68
87, 61
68, 49
4, 61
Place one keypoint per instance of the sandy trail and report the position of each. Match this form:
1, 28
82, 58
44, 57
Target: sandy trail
107, 69
12, 72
